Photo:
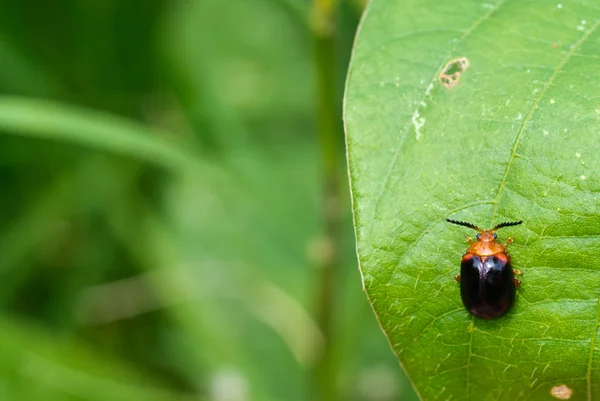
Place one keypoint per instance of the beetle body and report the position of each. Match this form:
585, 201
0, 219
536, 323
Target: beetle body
487, 283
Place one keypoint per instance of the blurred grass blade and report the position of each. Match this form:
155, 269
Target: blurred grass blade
201, 322
22, 239
75, 125
22, 75
50, 364
268, 302
86, 386
27, 231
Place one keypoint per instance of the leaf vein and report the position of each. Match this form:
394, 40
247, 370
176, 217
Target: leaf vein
531, 112
433, 80
470, 356
431, 226
588, 375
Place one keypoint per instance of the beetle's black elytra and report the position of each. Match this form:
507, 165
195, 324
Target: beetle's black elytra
487, 282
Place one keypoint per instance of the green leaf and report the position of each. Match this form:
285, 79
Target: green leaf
514, 137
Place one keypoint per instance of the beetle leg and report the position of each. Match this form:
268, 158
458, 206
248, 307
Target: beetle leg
457, 278
507, 243
469, 239
517, 282
518, 272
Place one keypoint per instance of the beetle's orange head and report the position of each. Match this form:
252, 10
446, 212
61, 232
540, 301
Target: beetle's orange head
486, 243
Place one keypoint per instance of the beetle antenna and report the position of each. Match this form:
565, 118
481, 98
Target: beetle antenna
464, 223
507, 224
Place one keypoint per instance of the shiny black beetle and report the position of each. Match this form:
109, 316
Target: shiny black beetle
487, 282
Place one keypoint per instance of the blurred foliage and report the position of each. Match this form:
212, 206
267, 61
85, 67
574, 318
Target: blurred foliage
161, 212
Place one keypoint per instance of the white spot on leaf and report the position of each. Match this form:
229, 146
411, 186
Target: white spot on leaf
418, 122
561, 392
429, 88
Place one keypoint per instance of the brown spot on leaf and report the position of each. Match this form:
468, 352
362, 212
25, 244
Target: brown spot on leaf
561, 392
452, 71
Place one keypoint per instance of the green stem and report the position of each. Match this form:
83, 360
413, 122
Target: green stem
324, 372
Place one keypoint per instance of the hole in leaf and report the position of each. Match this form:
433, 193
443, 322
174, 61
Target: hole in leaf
452, 71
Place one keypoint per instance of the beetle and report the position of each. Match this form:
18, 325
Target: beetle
487, 282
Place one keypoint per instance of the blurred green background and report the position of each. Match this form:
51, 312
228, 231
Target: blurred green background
166, 225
